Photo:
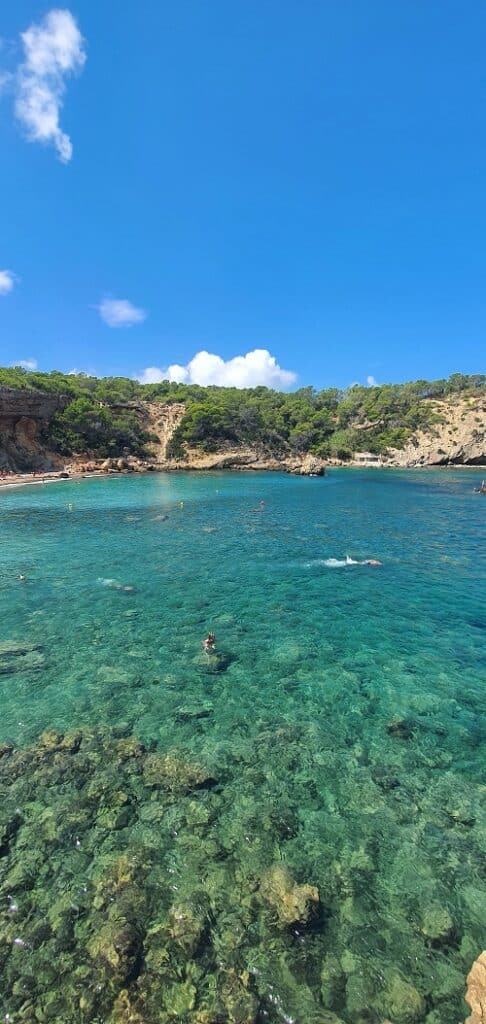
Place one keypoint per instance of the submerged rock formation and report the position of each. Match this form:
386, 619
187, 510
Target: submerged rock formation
292, 903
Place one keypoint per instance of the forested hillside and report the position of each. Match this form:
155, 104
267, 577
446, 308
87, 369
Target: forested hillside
101, 415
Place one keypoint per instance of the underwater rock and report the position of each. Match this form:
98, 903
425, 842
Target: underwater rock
185, 927
385, 779
128, 747
123, 1011
10, 649
476, 991
461, 812
189, 714
50, 740
239, 1002
402, 1001
31, 661
174, 774
118, 944
402, 728
9, 825
359, 993
333, 982
292, 903
437, 925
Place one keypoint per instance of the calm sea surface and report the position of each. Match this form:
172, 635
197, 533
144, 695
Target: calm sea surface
341, 725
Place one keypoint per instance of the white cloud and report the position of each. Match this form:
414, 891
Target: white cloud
7, 281
371, 381
27, 364
120, 313
255, 368
53, 50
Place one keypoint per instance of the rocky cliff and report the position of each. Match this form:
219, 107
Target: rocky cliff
24, 416
457, 438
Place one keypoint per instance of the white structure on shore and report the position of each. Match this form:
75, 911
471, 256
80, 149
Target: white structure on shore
367, 459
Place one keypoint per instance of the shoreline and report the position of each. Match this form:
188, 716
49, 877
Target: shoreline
27, 480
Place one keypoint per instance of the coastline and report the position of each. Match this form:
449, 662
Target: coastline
27, 480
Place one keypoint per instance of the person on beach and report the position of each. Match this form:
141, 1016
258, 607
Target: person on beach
209, 643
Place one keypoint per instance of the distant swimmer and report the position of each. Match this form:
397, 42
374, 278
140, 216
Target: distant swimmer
70, 506
181, 504
127, 588
338, 563
21, 579
262, 504
209, 643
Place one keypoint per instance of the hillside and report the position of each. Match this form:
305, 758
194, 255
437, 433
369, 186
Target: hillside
48, 420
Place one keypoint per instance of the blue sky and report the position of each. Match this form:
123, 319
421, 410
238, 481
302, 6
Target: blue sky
306, 178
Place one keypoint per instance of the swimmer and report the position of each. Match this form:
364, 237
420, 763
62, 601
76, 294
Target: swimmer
70, 506
21, 579
366, 561
181, 504
262, 504
209, 643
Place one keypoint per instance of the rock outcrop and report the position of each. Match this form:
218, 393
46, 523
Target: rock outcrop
476, 991
457, 438
24, 415
291, 903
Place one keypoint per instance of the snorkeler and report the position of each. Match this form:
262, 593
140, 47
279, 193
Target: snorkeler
209, 643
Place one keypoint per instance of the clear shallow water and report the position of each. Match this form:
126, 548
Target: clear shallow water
317, 661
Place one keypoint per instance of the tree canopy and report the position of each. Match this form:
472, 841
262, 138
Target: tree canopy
101, 415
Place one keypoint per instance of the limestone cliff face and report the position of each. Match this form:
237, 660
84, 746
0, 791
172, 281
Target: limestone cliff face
24, 414
459, 438
161, 419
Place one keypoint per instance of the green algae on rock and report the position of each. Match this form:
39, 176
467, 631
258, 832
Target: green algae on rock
128, 894
292, 903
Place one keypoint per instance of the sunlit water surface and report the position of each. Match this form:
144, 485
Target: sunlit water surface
124, 577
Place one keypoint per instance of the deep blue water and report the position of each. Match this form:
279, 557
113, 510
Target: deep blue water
317, 660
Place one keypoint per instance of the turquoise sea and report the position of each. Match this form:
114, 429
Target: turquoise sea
339, 736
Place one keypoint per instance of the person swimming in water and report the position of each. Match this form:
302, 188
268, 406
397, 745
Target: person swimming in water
209, 643
337, 563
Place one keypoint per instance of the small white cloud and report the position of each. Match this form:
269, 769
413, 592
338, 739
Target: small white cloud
27, 364
53, 50
120, 313
371, 381
255, 368
7, 281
